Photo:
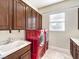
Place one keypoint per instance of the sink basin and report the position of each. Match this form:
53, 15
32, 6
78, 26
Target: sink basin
7, 49
10, 46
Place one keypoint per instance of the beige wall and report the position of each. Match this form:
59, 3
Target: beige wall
16, 35
61, 39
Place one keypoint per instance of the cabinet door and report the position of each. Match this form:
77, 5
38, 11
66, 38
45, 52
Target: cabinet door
5, 14
13, 56
71, 47
78, 55
77, 52
27, 55
39, 21
19, 15
34, 15
28, 17
74, 50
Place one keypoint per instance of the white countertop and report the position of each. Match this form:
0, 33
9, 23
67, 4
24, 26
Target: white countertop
76, 40
10, 48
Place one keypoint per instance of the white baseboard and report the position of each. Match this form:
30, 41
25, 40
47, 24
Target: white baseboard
67, 51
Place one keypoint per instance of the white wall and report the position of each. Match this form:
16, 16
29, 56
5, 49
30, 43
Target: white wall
5, 35
61, 39
59, 6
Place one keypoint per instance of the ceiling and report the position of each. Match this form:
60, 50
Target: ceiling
43, 3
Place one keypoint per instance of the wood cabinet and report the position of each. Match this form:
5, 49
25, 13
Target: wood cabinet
5, 14
74, 49
39, 21
24, 53
28, 17
71, 47
19, 15
12, 14
77, 52
33, 19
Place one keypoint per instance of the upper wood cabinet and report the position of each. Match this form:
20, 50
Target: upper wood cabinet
34, 20
19, 14
6, 14
39, 21
28, 17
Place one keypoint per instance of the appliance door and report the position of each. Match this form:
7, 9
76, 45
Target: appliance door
42, 39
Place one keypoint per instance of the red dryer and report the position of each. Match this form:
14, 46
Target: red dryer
34, 37
37, 38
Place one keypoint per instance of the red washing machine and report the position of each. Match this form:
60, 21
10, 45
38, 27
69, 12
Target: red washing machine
34, 37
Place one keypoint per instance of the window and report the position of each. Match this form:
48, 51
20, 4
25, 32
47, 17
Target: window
57, 22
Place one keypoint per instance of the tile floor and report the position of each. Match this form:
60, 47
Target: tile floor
54, 54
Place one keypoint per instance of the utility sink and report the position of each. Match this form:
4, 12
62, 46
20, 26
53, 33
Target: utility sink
11, 47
